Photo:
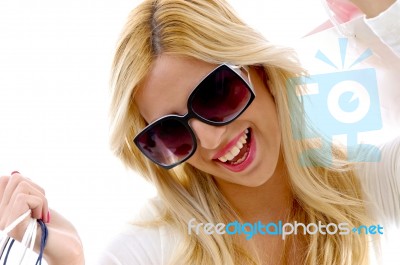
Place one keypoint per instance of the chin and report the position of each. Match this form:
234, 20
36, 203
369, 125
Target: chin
250, 180
257, 182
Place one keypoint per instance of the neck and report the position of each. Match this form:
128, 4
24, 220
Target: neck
271, 201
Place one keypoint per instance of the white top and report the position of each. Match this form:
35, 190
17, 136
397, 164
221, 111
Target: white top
137, 245
387, 26
381, 184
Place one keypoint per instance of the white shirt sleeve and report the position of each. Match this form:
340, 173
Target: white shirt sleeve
387, 26
381, 183
136, 246
142, 244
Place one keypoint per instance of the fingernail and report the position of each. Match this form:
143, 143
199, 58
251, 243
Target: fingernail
48, 217
15, 172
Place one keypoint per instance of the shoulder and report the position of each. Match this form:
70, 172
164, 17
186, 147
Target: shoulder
387, 166
387, 17
143, 242
136, 245
381, 181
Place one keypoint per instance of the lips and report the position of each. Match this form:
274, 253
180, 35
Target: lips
238, 154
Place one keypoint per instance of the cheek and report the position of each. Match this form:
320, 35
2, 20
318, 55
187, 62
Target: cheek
196, 161
267, 119
201, 165
274, 128
264, 110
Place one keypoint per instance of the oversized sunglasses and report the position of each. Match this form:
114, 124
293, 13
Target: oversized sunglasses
217, 100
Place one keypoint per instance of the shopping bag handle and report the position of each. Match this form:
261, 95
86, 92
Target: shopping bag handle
29, 232
29, 235
16, 222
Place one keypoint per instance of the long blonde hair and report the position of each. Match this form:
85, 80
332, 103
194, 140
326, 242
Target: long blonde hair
209, 30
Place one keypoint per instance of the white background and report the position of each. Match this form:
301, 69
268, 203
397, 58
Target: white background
55, 59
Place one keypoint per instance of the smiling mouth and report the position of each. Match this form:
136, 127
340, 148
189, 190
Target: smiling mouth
239, 152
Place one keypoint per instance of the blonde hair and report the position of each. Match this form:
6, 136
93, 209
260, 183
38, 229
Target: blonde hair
212, 32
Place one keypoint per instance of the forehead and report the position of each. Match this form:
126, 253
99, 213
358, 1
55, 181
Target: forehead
168, 84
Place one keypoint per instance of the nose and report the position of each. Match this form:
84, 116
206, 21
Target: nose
209, 136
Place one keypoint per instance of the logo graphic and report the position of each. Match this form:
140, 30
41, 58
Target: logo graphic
279, 229
344, 102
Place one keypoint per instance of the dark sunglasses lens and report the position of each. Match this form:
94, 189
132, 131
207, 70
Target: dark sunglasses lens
167, 142
221, 96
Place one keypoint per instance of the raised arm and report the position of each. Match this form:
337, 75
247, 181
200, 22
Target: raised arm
373, 8
382, 16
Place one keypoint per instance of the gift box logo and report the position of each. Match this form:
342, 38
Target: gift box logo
344, 102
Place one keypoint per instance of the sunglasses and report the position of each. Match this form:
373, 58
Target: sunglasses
221, 97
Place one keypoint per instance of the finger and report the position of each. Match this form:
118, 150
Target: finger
23, 203
45, 216
25, 187
29, 180
19, 185
13, 183
3, 184
20, 204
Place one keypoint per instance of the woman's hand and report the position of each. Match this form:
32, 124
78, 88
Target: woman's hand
372, 8
18, 195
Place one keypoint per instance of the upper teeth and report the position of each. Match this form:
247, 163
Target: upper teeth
235, 150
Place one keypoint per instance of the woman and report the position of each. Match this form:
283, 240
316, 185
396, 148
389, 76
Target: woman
202, 108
